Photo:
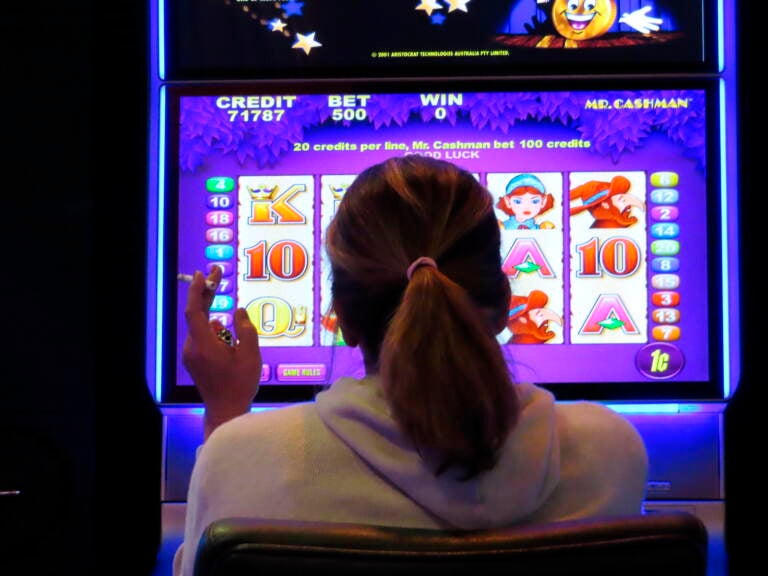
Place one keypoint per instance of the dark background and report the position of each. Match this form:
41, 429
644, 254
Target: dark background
79, 433
744, 441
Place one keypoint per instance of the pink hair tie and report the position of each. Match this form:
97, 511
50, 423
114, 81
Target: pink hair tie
418, 263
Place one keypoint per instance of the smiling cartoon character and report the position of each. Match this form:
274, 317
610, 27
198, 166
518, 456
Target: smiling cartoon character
578, 20
583, 19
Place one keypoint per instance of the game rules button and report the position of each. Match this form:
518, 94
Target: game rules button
301, 372
659, 360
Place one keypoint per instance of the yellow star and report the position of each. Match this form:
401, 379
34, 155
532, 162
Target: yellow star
458, 5
276, 25
306, 43
429, 6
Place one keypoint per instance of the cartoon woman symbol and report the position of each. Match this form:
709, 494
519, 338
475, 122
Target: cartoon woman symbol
524, 201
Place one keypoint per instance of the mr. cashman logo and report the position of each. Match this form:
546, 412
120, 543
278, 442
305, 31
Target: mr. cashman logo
637, 103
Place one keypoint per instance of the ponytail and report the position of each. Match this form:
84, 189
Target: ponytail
428, 329
445, 376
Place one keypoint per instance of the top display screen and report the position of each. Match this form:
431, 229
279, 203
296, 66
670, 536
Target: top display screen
258, 39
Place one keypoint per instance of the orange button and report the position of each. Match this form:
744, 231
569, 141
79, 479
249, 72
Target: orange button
666, 315
665, 298
666, 333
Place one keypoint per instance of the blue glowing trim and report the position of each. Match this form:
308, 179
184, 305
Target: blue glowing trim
161, 39
725, 265
720, 37
636, 408
199, 410
645, 408
160, 249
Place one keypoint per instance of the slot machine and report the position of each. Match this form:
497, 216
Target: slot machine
624, 262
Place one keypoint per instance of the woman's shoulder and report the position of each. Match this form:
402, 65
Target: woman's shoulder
583, 422
599, 429
603, 463
593, 416
260, 431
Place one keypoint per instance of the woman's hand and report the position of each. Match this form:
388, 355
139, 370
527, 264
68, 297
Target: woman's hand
227, 377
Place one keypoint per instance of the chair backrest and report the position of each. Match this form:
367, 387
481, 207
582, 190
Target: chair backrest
653, 544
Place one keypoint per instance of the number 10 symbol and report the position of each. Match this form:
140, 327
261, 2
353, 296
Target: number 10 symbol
285, 259
619, 257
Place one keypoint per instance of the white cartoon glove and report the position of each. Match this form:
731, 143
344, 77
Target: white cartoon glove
640, 21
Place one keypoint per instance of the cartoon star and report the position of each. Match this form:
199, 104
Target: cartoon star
438, 19
293, 8
276, 25
457, 5
429, 6
306, 43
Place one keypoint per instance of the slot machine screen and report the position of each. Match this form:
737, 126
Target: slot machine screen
606, 197
257, 39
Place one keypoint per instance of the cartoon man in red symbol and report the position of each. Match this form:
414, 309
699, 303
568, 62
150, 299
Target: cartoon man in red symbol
528, 319
609, 203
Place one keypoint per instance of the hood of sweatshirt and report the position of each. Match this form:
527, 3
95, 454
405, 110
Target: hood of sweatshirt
527, 472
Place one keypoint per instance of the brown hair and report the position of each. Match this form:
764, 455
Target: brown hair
549, 200
432, 339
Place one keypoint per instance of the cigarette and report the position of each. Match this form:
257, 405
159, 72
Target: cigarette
210, 284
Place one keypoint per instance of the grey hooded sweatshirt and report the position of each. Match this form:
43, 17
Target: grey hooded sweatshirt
342, 458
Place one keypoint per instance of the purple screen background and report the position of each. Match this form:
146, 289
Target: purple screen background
649, 139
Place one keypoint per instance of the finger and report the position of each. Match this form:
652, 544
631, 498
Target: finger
216, 324
215, 274
214, 277
196, 312
246, 331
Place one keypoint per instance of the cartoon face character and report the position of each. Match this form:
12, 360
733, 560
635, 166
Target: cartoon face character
529, 319
583, 19
524, 206
609, 203
620, 209
525, 198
